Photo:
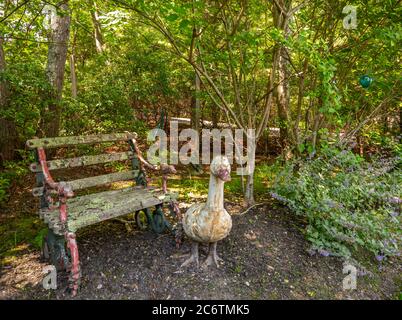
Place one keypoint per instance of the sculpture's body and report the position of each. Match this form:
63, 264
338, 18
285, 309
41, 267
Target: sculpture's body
209, 222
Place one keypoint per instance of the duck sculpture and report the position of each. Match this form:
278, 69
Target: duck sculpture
209, 222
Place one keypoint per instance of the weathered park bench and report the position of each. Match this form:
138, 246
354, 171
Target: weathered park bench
65, 213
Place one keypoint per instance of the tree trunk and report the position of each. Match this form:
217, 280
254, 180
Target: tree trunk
57, 55
282, 90
196, 105
316, 127
251, 150
100, 44
9, 140
400, 124
296, 128
73, 72
215, 116
249, 196
283, 101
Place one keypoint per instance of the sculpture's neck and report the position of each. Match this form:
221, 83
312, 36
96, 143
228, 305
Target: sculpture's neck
215, 194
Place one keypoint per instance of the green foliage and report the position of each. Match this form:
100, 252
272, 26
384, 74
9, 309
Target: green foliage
4, 186
20, 232
189, 187
348, 203
384, 143
17, 234
237, 185
13, 171
38, 240
27, 84
116, 166
142, 70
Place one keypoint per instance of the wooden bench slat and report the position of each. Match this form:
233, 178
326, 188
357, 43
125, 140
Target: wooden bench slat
103, 179
115, 209
95, 181
102, 206
110, 210
116, 196
74, 140
113, 194
83, 161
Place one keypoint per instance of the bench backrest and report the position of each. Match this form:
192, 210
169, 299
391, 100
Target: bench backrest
134, 174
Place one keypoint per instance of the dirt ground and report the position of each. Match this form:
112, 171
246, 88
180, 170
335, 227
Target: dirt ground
265, 257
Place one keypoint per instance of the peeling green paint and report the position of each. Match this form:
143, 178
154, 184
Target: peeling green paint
72, 141
83, 161
90, 209
94, 181
67, 214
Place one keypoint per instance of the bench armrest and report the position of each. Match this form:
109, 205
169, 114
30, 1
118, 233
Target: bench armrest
164, 169
62, 188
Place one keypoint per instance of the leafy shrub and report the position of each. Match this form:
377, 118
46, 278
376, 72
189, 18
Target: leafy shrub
4, 185
13, 171
384, 143
349, 203
27, 85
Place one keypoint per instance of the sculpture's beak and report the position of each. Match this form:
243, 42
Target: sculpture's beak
224, 175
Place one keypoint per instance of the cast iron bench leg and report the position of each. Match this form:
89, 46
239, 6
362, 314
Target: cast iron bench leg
75, 263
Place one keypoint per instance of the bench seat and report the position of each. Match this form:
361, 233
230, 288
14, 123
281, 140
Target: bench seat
93, 208
65, 211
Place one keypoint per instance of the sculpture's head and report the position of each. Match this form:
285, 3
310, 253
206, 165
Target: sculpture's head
220, 167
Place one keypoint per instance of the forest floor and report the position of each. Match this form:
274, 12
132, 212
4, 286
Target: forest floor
265, 257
